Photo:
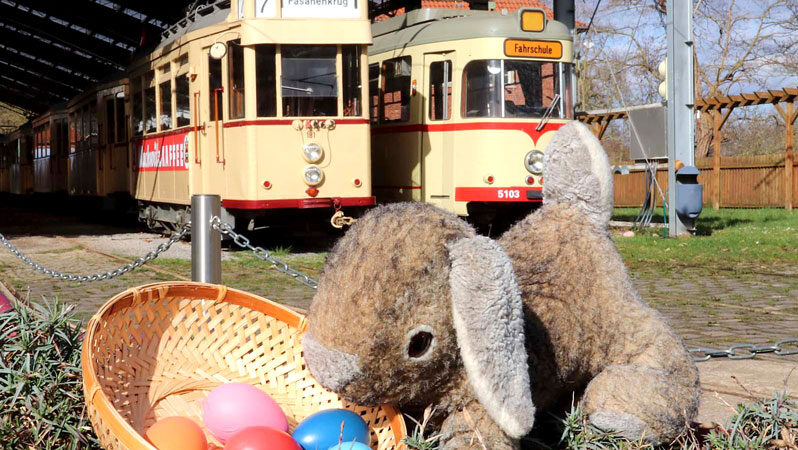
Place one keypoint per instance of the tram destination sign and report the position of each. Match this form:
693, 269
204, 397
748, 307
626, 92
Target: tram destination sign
339, 9
533, 49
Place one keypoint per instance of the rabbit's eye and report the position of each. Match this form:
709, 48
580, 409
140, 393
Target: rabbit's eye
419, 345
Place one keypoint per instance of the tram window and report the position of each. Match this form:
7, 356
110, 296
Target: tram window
215, 85
374, 92
138, 122
85, 127
93, 133
72, 132
109, 119
235, 70
309, 83
440, 92
166, 105
183, 101
508, 88
567, 92
530, 88
150, 119
121, 135
266, 82
350, 55
396, 90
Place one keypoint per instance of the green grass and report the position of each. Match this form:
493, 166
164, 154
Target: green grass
723, 239
247, 272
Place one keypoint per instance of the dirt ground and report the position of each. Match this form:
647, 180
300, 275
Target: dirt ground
758, 305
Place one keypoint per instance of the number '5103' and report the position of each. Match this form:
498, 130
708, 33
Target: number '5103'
509, 193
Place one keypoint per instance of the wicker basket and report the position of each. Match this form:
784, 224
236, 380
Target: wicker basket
157, 350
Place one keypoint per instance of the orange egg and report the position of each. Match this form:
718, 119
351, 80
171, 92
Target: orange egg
176, 433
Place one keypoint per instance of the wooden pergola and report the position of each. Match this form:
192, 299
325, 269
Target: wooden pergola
720, 108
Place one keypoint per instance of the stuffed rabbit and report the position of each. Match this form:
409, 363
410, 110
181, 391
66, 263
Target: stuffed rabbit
414, 309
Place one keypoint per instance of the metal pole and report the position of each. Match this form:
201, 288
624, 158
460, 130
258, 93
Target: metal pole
565, 12
206, 242
681, 93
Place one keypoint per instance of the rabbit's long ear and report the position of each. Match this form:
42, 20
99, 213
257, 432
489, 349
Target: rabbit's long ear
488, 319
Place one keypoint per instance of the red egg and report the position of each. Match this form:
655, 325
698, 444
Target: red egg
261, 438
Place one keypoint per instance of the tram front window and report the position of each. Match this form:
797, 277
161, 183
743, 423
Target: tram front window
309, 82
510, 88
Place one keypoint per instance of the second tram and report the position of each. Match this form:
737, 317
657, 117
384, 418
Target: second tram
463, 104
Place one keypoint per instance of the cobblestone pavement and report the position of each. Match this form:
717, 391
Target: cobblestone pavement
752, 305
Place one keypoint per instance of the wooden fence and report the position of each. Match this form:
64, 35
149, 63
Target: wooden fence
745, 182
748, 181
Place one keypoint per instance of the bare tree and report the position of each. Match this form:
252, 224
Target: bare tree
739, 46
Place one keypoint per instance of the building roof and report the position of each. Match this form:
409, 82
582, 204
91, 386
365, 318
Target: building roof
509, 5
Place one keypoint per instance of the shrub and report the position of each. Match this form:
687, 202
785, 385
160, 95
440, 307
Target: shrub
41, 389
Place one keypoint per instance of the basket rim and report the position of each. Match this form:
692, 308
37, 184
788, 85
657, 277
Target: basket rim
94, 394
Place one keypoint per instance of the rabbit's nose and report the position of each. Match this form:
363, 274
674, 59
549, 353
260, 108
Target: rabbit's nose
332, 368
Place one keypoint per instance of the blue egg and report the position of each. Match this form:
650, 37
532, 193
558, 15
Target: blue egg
350, 446
322, 430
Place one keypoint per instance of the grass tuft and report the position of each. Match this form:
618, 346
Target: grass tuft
41, 390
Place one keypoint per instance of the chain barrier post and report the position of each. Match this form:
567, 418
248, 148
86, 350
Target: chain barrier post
206, 242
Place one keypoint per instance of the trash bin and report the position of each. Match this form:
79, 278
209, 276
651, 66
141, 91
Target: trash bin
689, 193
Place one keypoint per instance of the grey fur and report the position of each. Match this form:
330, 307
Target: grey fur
332, 368
577, 173
488, 317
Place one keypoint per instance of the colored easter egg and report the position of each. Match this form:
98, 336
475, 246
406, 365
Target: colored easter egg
233, 407
261, 438
176, 433
323, 429
350, 446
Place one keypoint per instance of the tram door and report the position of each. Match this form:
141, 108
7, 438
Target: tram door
437, 142
212, 152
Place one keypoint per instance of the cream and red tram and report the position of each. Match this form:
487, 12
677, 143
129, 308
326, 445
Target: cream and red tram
463, 104
99, 163
17, 161
259, 102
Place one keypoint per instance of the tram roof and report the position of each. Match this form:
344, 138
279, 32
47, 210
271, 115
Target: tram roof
426, 26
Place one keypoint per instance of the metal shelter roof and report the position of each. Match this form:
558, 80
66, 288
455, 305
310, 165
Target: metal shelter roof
52, 50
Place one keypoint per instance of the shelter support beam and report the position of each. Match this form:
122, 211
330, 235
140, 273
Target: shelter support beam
789, 114
719, 119
599, 128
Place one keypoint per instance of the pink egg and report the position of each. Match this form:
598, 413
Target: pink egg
232, 407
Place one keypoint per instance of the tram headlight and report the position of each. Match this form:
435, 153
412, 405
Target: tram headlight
313, 175
312, 152
534, 162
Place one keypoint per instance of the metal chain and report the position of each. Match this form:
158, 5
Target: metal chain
746, 351
261, 253
100, 276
